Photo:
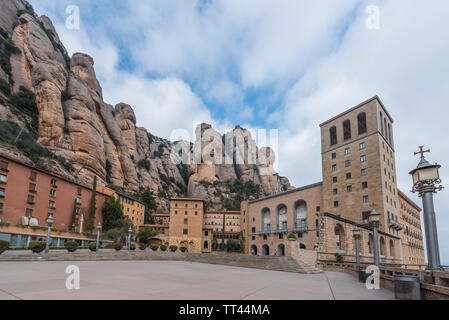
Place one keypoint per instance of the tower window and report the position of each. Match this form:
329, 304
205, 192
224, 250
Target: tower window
334, 167
362, 123
363, 146
333, 136
334, 180
347, 151
363, 158
336, 204
347, 130
364, 172
334, 156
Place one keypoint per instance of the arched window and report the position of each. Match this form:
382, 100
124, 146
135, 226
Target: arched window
382, 123
389, 133
206, 245
333, 135
362, 123
300, 215
347, 130
340, 237
265, 220
392, 255
281, 217
371, 244
382, 247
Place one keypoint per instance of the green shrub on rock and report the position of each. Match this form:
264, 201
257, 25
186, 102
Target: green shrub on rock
173, 248
142, 246
163, 247
154, 247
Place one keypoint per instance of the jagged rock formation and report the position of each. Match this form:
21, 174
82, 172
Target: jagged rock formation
98, 139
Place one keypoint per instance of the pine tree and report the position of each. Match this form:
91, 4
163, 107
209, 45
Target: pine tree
92, 208
113, 217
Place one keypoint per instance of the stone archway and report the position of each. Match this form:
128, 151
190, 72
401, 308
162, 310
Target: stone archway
253, 250
281, 250
265, 250
340, 238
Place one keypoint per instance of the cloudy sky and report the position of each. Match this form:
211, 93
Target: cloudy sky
284, 64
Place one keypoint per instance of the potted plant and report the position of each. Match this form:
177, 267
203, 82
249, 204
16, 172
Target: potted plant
37, 246
163, 247
142, 246
183, 249
4, 245
133, 246
173, 248
292, 237
154, 247
117, 246
93, 246
71, 246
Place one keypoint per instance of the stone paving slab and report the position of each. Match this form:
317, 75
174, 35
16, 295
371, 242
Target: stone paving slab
175, 280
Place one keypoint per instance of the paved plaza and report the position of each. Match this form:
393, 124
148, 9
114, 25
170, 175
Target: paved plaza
174, 280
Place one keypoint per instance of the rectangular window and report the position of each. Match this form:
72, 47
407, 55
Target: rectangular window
364, 185
185, 232
53, 182
364, 172
1, 207
79, 192
52, 192
78, 200
3, 165
29, 213
2, 178
253, 230
334, 168
334, 180
32, 187
349, 188
365, 199
348, 176
30, 199
335, 192
363, 158
362, 146
336, 204
51, 204
186, 221
334, 156
2, 193
348, 163
33, 176
318, 209
347, 151
365, 215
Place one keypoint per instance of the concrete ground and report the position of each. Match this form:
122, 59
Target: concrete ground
174, 280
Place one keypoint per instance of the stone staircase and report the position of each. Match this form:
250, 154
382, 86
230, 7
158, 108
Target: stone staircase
284, 264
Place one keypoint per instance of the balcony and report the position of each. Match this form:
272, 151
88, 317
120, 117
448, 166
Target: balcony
395, 225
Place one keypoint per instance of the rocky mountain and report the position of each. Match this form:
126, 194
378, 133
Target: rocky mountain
58, 101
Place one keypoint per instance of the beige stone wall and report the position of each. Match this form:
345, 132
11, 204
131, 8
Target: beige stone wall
308, 256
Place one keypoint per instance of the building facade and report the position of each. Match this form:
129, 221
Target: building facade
359, 173
27, 197
412, 238
132, 208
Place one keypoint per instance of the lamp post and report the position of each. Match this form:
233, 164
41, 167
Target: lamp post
98, 236
357, 233
374, 220
50, 220
426, 180
130, 231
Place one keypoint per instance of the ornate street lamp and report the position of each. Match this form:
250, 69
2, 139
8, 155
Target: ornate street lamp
50, 220
98, 236
374, 221
426, 182
130, 231
357, 234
